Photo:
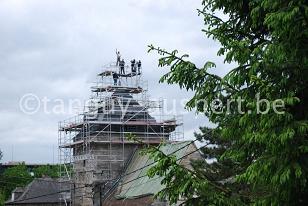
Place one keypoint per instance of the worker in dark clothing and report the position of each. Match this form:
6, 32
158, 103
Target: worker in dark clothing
115, 78
122, 66
139, 67
133, 65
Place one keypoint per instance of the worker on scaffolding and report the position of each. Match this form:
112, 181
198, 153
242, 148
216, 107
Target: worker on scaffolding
118, 57
133, 65
139, 67
122, 66
115, 78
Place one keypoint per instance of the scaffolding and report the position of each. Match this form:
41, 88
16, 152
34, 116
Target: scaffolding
94, 145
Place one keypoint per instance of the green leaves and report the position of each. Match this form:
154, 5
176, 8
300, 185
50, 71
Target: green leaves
267, 41
16, 176
20, 176
47, 170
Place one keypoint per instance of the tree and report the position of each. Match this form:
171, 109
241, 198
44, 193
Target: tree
267, 40
207, 183
2, 198
20, 176
17, 176
47, 170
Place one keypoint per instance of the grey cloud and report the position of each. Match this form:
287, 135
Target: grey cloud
55, 48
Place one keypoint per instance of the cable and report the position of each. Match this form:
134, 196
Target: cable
154, 162
123, 175
30, 178
117, 178
44, 180
151, 179
120, 175
176, 159
49, 194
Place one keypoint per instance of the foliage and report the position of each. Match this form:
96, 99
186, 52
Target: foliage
46, 170
17, 176
268, 42
2, 198
20, 176
205, 183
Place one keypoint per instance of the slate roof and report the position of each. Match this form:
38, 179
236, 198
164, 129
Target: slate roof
41, 190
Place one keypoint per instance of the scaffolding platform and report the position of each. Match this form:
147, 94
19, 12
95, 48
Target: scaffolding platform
77, 126
155, 141
115, 88
96, 141
110, 73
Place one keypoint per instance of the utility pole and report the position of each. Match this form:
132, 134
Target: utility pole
53, 154
12, 153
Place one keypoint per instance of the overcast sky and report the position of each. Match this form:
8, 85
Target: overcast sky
55, 48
